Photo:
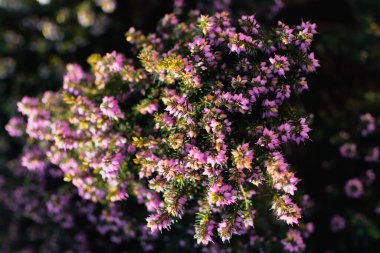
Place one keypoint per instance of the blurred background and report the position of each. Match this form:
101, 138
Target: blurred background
39, 37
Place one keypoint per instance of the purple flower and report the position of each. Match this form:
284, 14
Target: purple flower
269, 140
312, 63
249, 24
302, 131
369, 124
348, 150
373, 155
354, 188
279, 64
337, 223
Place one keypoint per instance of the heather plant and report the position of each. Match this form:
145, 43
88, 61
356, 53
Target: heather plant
197, 127
338, 168
226, 116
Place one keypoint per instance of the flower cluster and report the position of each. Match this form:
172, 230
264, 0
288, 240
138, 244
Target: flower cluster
198, 130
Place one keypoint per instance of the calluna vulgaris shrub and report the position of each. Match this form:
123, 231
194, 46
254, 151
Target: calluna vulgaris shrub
196, 127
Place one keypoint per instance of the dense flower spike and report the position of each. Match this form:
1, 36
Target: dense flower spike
198, 130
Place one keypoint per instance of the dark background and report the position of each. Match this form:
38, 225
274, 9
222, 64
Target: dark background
348, 49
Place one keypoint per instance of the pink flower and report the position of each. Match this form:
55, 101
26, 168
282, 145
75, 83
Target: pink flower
34, 159
243, 157
111, 165
293, 242
110, 108
159, 221
221, 194
15, 127
206, 237
28, 106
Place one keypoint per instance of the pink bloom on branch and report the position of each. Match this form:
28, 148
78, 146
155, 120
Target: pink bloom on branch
222, 194
34, 159
110, 108
28, 106
293, 242
15, 127
159, 221
269, 140
279, 64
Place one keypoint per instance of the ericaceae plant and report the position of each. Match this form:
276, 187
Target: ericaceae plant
196, 127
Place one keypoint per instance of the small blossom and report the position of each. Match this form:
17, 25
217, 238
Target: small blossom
243, 157
337, 223
348, 150
354, 188
279, 64
293, 242
221, 194
110, 108
34, 159
15, 127
369, 124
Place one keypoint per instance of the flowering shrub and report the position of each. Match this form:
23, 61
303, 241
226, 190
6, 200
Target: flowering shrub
224, 75
198, 130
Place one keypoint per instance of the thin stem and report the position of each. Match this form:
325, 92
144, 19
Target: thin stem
245, 197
